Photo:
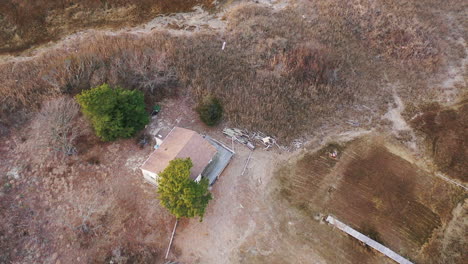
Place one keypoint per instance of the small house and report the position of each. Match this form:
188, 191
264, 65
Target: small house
209, 157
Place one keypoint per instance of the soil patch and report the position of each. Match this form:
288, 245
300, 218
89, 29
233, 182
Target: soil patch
446, 136
373, 190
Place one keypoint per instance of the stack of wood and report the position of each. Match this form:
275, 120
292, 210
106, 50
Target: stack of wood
239, 136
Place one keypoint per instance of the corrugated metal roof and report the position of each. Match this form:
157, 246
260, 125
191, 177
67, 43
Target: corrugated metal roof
181, 143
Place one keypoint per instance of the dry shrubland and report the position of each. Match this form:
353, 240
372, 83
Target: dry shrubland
56, 129
122, 61
24, 24
286, 72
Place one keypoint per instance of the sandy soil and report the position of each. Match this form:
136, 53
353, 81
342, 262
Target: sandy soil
234, 214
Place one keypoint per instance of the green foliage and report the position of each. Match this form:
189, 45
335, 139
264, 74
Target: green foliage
114, 113
182, 196
210, 110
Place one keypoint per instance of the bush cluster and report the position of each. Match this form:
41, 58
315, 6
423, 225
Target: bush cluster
210, 110
114, 113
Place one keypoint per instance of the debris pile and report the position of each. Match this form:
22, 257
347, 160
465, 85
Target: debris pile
267, 141
250, 139
240, 136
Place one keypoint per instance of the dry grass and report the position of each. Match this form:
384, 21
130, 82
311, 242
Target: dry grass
285, 72
25, 24
445, 137
126, 61
96, 211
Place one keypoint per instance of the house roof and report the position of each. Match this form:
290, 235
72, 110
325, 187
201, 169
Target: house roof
181, 143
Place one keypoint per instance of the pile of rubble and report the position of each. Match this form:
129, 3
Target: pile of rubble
251, 140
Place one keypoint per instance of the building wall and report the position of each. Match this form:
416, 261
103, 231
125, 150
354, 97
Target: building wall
150, 177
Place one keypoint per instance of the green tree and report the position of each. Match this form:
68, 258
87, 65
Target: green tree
114, 113
210, 110
182, 196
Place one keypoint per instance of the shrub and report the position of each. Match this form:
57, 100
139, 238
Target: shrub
56, 128
210, 111
182, 196
114, 113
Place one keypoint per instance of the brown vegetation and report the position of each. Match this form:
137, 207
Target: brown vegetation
446, 136
286, 72
56, 128
81, 211
24, 24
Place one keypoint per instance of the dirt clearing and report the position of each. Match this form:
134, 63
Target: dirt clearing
247, 223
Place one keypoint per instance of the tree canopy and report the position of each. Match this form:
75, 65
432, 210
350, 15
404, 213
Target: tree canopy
182, 196
114, 113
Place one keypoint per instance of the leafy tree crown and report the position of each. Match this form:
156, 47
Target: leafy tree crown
114, 113
182, 196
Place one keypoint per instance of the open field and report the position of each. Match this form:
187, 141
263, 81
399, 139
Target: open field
274, 212
375, 191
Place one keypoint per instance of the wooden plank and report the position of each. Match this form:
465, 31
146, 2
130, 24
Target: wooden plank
172, 238
246, 163
368, 241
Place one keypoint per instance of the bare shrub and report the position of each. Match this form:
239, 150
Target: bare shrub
56, 126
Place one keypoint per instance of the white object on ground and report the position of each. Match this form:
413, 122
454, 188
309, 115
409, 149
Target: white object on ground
368, 241
172, 238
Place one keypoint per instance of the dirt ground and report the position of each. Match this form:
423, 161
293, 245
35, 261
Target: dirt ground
271, 215
94, 207
91, 208
375, 191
